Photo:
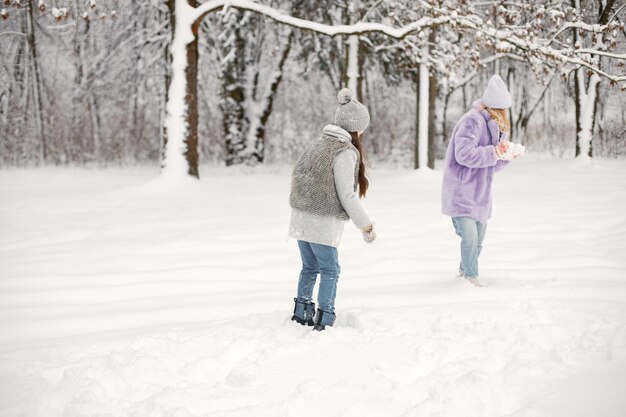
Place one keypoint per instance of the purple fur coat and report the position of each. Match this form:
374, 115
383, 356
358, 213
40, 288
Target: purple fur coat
470, 164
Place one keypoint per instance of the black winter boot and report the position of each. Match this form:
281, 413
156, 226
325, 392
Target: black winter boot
323, 319
303, 312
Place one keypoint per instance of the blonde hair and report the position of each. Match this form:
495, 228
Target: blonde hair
501, 117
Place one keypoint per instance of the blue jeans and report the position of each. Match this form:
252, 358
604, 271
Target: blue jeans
472, 234
323, 260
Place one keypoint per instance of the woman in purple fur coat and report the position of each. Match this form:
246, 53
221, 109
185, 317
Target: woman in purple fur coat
476, 152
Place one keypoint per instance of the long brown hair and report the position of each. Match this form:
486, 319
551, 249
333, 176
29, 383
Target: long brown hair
363, 181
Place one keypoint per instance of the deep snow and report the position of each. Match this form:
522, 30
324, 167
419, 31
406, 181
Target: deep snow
126, 295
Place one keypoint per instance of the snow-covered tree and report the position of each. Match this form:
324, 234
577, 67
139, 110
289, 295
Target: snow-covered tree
250, 57
587, 83
105, 77
36, 22
475, 35
187, 15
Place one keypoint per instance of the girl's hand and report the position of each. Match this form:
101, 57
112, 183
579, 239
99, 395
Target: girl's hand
369, 235
501, 149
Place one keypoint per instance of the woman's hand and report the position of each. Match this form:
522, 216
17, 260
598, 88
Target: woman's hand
501, 149
369, 235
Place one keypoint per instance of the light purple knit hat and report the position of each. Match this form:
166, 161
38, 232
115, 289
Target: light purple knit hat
496, 95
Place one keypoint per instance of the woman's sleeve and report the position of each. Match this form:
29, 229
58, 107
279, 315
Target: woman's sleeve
343, 171
501, 164
467, 152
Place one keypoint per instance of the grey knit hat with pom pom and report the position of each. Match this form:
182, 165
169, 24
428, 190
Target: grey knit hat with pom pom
351, 115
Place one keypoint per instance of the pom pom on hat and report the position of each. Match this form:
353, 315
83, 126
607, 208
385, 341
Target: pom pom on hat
496, 95
344, 96
351, 115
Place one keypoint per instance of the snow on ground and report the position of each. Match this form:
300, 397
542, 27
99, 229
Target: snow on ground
126, 295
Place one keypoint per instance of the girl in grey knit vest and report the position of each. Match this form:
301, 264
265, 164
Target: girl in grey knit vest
326, 184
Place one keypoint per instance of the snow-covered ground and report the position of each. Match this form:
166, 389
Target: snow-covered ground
122, 295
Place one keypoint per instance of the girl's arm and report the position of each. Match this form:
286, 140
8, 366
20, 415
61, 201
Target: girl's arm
467, 152
343, 170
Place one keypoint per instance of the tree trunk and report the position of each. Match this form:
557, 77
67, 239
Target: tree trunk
425, 132
577, 104
361, 68
77, 99
22, 88
191, 99
422, 122
246, 99
586, 105
259, 142
416, 162
522, 100
432, 121
135, 131
95, 124
423, 108
586, 93
167, 79
521, 124
36, 83
232, 103
182, 111
355, 54
444, 121
352, 72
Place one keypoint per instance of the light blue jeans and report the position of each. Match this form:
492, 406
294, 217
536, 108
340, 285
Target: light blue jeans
323, 260
472, 234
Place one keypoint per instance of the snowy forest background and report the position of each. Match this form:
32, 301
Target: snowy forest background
84, 82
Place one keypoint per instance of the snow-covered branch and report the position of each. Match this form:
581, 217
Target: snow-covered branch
330, 30
457, 83
508, 40
580, 26
12, 34
542, 50
597, 52
509, 36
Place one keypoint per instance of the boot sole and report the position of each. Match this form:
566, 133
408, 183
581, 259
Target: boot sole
302, 322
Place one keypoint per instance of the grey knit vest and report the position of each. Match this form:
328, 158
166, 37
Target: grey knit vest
313, 183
